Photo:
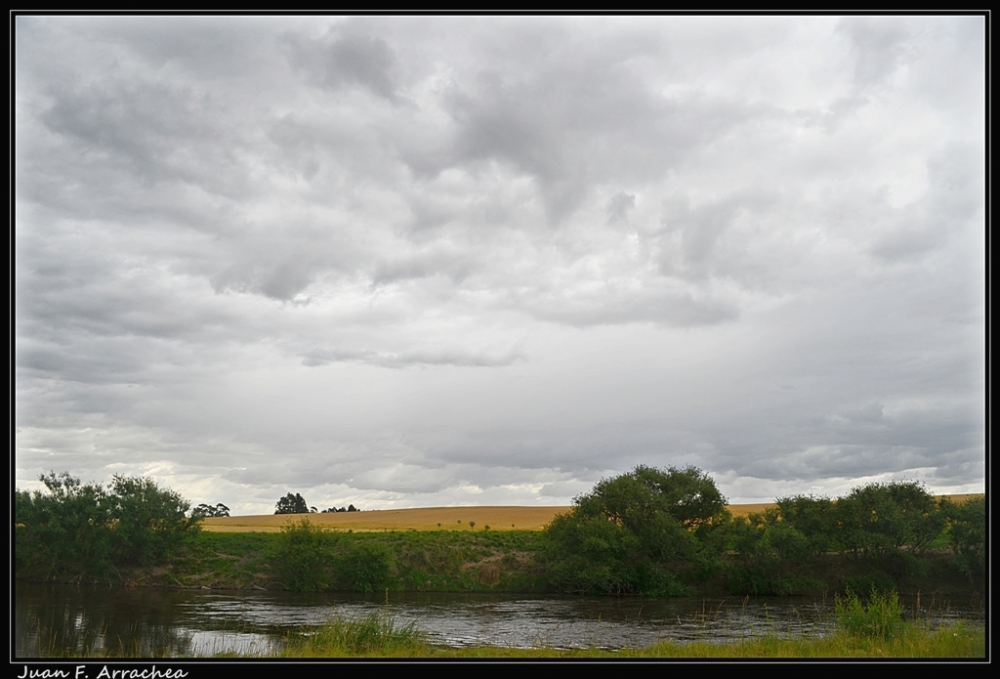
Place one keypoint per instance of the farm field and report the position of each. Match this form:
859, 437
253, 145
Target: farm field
420, 519
427, 518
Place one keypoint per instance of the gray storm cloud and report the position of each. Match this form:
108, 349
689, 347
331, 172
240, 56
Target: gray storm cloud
444, 260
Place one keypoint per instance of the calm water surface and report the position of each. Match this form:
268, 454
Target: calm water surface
184, 623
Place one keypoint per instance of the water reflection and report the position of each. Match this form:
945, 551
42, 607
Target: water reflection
80, 622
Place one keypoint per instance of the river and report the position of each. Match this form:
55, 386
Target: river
160, 623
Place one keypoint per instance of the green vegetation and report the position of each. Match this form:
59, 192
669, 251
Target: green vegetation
772, 556
889, 535
375, 635
83, 530
967, 534
659, 532
378, 636
635, 532
880, 618
311, 559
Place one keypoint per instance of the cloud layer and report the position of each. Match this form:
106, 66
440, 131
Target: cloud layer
401, 261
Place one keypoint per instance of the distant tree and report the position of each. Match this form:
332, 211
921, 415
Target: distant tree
205, 510
292, 504
333, 510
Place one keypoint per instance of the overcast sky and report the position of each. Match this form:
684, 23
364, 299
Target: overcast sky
424, 261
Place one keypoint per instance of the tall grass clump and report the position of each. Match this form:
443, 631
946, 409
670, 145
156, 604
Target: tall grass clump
880, 618
376, 634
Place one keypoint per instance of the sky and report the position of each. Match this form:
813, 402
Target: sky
490, 260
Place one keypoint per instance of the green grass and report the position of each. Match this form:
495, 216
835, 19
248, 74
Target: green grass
375, 635
880, 618
378, 636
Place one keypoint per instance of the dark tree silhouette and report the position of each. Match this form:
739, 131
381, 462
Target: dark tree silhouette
291, 504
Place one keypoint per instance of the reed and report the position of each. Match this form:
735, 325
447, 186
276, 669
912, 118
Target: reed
375, 635
880, 618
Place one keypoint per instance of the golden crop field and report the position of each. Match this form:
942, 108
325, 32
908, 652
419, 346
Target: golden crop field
427, 518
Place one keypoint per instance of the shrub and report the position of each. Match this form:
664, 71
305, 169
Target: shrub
303, 557
365, 567
375, 634
149, 522
880, 618
83, 529
65, 529
813, 517
769, 551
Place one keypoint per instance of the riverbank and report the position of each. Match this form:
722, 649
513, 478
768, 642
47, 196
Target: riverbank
480, 561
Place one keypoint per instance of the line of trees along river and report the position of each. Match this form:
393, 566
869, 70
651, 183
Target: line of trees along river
650, 531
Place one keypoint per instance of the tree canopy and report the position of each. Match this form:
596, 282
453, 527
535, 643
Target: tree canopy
631, 532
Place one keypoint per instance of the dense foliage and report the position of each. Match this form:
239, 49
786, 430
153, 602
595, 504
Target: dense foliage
967, 533
634, 532
87, 530
312, 559
659, 531
649, 531
883, 529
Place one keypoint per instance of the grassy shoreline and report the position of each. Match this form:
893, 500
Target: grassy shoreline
376, 636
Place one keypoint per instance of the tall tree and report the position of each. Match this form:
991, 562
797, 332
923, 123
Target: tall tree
628, 534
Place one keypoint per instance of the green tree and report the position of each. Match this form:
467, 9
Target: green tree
84, 530
291, 504
631, 532
769, 553
148, 522
879, 521
813, 517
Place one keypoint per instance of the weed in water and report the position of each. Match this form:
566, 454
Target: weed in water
376, 634
880, 618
